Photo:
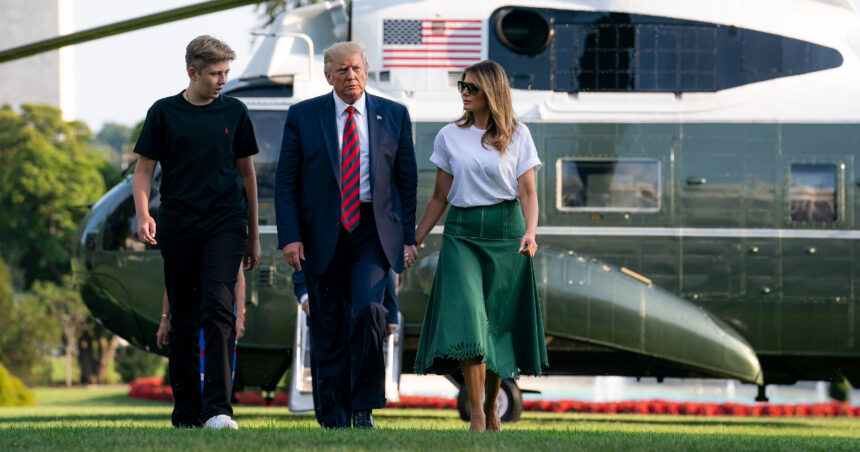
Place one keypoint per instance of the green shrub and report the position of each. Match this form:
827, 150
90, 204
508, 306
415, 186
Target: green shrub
13, 392
132, 363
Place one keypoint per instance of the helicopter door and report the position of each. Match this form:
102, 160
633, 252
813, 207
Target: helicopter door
816, 257
715, 163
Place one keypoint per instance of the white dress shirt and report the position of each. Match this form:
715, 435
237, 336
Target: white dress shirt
360, 115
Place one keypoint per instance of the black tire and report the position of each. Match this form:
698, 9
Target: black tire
508, 389
463, 406
515, 401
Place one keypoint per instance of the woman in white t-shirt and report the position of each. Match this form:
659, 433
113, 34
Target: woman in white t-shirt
483, 313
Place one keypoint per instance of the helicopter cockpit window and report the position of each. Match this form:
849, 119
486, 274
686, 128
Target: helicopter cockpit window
586, 51
608, 185
121, 225
812, 193
269, 130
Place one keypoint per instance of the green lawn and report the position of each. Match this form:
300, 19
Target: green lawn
104, 419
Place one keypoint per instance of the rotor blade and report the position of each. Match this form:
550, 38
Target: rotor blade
122, 27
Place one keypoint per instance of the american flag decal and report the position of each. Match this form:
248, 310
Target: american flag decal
451, 44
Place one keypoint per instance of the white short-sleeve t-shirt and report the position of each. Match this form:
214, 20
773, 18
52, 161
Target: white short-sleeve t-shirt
482, 176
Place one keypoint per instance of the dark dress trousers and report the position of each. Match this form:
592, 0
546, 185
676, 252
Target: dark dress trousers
346, 272
389, 302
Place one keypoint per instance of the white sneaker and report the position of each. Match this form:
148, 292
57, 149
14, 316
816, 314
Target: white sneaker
221, 422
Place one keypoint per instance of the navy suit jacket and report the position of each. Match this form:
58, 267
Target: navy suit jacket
307, 188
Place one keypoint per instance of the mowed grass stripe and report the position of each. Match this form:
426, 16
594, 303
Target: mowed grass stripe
105, 419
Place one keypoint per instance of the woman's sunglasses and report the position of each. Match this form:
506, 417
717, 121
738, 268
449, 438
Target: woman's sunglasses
471, 88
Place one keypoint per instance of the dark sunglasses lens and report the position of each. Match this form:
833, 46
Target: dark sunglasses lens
471, 88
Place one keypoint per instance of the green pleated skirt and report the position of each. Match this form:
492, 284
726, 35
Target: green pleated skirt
484, 301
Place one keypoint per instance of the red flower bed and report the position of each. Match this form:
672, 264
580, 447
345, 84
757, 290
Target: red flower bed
153, 388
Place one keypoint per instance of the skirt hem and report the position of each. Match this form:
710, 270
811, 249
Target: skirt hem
466, 351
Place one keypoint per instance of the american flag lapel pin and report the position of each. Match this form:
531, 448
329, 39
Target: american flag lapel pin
379, 117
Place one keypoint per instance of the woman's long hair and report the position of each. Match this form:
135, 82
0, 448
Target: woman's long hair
493, 81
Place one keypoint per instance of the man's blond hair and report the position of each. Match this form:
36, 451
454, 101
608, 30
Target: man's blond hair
342, 51
205, 50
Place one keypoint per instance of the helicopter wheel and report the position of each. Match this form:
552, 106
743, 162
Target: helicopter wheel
510, 402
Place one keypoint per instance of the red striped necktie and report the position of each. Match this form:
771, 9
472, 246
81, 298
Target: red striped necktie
349, 211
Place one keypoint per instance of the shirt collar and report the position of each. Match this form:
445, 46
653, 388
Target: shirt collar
340, 105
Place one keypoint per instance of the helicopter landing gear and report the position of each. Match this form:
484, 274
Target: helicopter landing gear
761, 397
510, 402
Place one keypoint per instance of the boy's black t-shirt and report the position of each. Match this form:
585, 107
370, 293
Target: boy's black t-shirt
197, 146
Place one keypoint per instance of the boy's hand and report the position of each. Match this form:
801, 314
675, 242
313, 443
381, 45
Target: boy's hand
146, 230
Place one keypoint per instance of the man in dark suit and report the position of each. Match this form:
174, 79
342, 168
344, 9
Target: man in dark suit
389, 302
345, 202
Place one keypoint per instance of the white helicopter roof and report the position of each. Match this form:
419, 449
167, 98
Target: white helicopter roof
426, 86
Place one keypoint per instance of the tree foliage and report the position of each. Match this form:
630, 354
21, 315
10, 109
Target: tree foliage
28, 333
132, 363
64, 303
114, 135
114, 141
96, 349
48, 178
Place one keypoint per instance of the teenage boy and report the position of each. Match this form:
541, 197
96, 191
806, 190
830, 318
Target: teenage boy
207, 222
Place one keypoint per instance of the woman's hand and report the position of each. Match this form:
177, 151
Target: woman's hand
161, 335
528, 246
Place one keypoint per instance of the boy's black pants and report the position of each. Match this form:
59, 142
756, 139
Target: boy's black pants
200, 277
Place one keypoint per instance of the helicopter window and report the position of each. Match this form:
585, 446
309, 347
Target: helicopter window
121, 225
269, 130
617, 52
621, 185
812, 192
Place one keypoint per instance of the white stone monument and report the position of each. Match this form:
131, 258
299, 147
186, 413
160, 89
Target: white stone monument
46, 78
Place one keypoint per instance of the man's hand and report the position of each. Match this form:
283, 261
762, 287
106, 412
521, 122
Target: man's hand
410, 255
391, 328
252, 253
146, 230
306, 307
294, 254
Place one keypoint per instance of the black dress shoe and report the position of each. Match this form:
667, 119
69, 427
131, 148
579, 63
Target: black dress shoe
362, 419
